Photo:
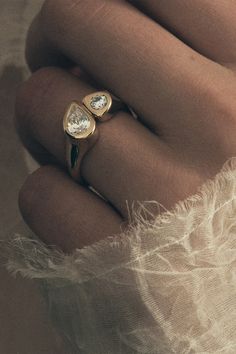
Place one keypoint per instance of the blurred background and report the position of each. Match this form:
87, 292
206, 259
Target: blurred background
24, 325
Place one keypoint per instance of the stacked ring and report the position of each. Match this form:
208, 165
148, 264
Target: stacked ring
79, 125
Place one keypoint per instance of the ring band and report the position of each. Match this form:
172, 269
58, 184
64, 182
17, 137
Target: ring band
79, 126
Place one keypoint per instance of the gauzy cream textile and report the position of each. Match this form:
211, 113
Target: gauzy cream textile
164, 286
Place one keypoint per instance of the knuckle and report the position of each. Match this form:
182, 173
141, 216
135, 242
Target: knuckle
54, 14
28, 194
59, 17
224, 121
30, 96
227, 141
31, 194
48, 10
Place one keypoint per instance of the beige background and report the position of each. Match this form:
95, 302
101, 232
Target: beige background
24, 326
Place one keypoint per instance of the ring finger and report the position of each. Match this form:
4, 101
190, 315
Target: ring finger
127, 155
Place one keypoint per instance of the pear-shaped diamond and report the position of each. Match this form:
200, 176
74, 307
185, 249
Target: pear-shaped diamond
78, 121
98, 102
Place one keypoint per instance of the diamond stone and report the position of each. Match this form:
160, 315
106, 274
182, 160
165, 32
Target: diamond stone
98, 102
78, 121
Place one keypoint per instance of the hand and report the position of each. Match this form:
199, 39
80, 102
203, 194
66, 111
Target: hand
179, 78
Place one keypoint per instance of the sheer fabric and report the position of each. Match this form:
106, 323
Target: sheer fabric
164, 286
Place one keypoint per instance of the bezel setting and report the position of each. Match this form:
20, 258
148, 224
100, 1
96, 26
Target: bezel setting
79, 114
89, 100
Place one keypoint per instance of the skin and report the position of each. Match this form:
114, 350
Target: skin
163, 59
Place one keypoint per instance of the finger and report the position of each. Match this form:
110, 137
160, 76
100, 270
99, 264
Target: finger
126, 156
46, 53
207, 26
63, 213
145, 70
49, 55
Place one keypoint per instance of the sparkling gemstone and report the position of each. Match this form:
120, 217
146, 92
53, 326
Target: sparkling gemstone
98, 102
78, 122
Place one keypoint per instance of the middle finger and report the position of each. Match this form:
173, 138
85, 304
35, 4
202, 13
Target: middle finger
131, 55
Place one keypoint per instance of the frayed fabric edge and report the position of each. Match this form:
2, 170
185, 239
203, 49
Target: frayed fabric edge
166, 285
33, 259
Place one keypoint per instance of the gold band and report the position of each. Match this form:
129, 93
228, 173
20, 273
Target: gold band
79, 125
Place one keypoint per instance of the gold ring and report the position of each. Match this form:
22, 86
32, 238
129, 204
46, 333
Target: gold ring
79, 126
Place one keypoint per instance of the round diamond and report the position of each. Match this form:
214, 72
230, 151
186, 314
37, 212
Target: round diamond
98, 102
78, 122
